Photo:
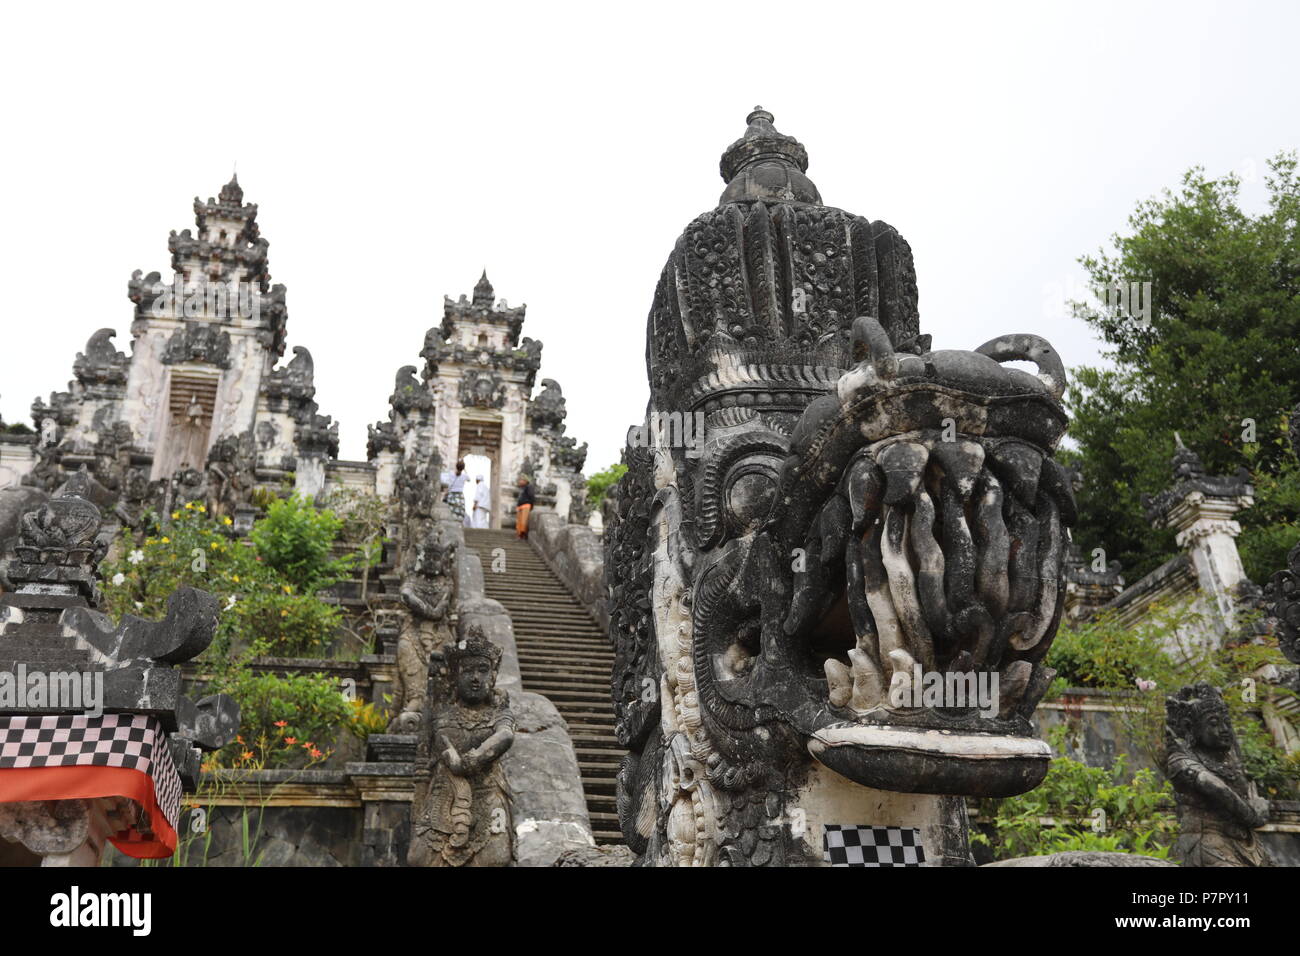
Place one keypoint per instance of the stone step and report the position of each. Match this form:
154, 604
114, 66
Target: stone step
541, 652
576, 672
565, 655
552, 657
589, 720
594, 768
557, 643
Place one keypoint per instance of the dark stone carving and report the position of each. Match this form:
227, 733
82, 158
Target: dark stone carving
579, 510
232, 473
382, 436
483, 307
1190, 478
426, 593
482, 389
547, 411
188, 484
296, 381
567, 454
462, 816
50, 621
135, 498
1218, 807
441, 343
857, 506
318, 435
198, 342
1086, 588
101, 364
409, 393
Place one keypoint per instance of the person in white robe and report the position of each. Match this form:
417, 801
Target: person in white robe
482, 503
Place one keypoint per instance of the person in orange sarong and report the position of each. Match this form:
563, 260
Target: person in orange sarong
523, 506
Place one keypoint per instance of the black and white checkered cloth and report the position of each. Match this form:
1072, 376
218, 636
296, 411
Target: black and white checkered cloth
132, 741
872, 846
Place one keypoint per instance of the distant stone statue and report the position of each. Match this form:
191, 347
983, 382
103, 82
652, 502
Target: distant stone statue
426, 593
463, 818
1218, 808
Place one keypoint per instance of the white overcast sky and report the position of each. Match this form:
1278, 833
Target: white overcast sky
394, 151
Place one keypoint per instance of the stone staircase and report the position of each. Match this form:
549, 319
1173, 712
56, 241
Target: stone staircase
564, 655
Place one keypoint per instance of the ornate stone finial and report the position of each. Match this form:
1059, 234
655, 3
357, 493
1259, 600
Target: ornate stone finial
409, 394
58, 544
1185, 463
1194, 489
484, 295
100, 363
767, 165
231, 193
1088, 587
1218, 807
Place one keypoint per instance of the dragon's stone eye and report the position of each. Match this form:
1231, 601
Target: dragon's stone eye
749, 490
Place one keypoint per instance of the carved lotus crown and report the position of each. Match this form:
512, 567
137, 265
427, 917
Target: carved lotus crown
1190, 707
474, 644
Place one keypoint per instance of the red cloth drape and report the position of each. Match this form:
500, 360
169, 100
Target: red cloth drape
89, 783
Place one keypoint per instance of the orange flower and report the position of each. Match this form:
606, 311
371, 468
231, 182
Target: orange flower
315, 753
290, 740
282, 723
307, 745
248, 755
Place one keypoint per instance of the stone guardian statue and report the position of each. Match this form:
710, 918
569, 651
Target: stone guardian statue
463, 816
1218, 808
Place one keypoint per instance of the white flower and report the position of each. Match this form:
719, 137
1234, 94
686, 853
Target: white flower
1145, 684
119, 578
136, 556
230, 603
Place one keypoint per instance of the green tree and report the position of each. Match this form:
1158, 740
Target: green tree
598, 485
1217, 348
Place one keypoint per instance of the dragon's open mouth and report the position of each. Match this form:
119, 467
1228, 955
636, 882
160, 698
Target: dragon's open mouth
920, 572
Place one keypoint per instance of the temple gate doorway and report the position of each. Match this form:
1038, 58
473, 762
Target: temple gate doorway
480, 449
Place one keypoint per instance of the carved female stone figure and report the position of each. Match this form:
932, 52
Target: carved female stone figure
464, 816
1218, 808
426, 593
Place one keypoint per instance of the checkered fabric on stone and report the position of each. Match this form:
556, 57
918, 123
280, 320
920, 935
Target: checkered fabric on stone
132, 741
872, 846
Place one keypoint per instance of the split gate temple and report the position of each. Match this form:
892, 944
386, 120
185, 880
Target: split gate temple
200, 407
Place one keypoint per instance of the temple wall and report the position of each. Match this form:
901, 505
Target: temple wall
16, 458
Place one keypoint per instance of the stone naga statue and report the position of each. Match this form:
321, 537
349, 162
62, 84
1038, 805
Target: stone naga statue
1218, 807
426, 593
462, 816
818, 509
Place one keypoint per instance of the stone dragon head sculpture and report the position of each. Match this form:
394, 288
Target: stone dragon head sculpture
820, 510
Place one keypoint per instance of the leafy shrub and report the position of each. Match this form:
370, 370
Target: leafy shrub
283, 622
260, 607
295, 540
285, 721
1078, 807
1101, 653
